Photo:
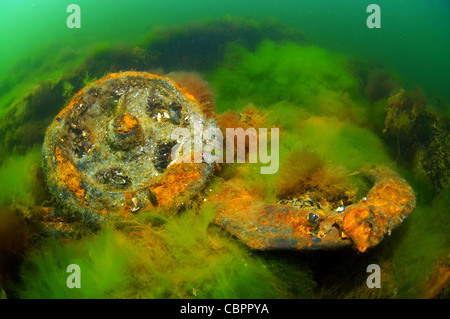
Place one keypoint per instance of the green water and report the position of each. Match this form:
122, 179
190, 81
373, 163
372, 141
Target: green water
307, 65
414, 39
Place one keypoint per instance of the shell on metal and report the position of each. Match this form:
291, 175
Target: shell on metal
264, 226
109, 152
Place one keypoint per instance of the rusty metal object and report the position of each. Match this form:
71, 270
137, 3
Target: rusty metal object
108, 153
276, 226
385, 207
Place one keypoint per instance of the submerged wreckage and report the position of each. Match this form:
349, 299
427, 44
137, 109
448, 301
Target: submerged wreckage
108, 155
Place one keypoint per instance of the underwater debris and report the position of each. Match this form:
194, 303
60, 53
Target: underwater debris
266, 226
109, 164
105, 163
384, 208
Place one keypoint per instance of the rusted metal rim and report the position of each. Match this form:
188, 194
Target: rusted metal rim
108, 153
265, 226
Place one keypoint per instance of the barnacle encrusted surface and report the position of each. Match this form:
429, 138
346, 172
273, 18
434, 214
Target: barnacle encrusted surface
364, 224
108, 153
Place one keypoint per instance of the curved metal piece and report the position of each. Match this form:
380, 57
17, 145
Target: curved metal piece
267, 226
384, 208
109, 152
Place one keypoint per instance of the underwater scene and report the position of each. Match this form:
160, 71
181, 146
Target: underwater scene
291, 149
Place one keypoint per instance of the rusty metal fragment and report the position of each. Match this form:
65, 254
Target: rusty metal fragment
277, 226
384, 208
108, 153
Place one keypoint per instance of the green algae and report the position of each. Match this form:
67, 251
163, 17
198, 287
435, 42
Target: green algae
18, 174
418, 252
184, 258
101, 259
281, 72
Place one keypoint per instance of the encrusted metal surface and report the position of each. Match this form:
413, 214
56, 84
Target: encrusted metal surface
277, 226
108, 153
385, 207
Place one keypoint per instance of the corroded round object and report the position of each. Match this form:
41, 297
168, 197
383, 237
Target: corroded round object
108, 153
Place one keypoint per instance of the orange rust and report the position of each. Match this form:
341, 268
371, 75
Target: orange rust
71, 135
129, 73
126, 124
354, 224
68, 174
127, 196
58, 223
77, 97
279, 226
299, 230
238, 205
126, 209
178, 177
391, 199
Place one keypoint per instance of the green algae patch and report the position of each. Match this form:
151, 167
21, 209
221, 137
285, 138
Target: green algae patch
418, 252
101, 257
275, 72
18, 174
